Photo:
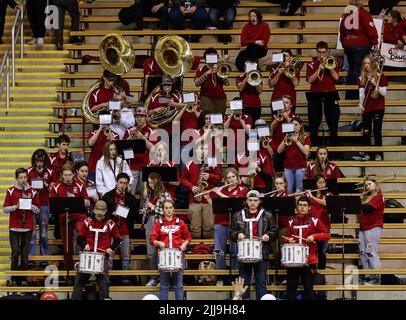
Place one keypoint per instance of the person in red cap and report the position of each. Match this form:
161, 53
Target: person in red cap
141, 131
49, 296
105, 233
304, 228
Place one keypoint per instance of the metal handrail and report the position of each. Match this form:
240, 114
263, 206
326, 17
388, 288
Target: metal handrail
19, 25
5, 74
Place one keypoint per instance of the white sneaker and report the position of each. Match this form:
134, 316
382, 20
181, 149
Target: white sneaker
32, 41
378, 157
152, 283
40, 42
219, 283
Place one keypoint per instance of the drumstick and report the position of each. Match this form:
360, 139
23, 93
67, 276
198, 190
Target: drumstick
299, 237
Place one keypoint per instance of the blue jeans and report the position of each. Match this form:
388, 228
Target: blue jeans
295, 179
177, 279
229, 16
143, 9
260, 269
199, 18
355, 55
369, 250
42, 220
220, 243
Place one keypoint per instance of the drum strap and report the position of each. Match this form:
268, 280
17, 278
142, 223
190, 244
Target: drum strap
300, 228
168, 230
250, 221
96, 236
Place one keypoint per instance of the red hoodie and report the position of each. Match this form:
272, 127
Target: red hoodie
313, 226
391, 33
178, 228
251, 33
364, 36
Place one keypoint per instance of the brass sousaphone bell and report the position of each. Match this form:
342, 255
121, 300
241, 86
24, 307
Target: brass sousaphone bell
116, 56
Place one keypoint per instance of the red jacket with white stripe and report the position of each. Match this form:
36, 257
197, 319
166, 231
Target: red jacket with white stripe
160, 232
48, 176
13, 195
77, 188
331, 171
310, 226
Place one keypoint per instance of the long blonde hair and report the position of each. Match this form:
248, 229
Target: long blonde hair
373, 69
302, 135
365, 195
234, 171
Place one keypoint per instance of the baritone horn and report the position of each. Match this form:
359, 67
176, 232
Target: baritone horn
254, 78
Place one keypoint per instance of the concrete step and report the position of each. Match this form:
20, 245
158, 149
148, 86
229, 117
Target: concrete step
23, 120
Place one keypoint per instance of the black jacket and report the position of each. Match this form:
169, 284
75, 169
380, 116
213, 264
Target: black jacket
266, 225
130, 202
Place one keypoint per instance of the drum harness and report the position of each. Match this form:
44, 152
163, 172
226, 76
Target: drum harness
168, 230
96, 236
301, 227
251, 220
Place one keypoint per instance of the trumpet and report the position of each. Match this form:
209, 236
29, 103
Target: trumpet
303, 192
381, 62
265, 143
279, 115
254, 78
329, 62
290, 70
107, 131
190, 107
288, 139
237, 115
224, 70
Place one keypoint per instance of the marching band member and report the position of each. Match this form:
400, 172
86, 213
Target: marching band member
160, 238
124, 118
309, 230
319, 210
62, 156
82, 173
322, 166
237, 120
323, 94
372, 103
358, 36
296, 153
212, 95
222, 221
108, 167
266, 143
120, 196
195, 174
153, 210
108, 85
394, 29
141, 131
107, 243
277, 135
250, 96
160, 158
41, 169
97, 140
254, 39
263, 228
21, 222
151, 68
255, 173
370, 227
281, 84
68, 187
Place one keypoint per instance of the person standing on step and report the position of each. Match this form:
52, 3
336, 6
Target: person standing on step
63, 156
3, 11
36, 16
72, 6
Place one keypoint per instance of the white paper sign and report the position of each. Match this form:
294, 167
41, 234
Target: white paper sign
122, 211
394, 57
189, 97
105, 118
249, 66
264, 132
253, 133
216, 118
24, 204
378, 26
278, 57
288, 127
236, 104
211, 162
114, 105
91, 192
37, 183
278, 105
128, 154
253, 146
211, 58
164, 100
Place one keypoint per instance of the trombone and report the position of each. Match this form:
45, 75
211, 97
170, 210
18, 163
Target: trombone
329, 62
380, 60
254, 78
224, 70
290, 70
279, 114
237, 115
190, 107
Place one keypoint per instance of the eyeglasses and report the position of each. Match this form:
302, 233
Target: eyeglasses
321, 52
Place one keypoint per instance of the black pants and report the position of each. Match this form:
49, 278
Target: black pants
305, 273
3, 11
255, 113
316, 102
73, 8
278, 160
36, 16
375, 119
143, 8
19, 243
252, 53
294, 5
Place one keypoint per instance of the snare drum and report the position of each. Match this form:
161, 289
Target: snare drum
91, 262
294, 255
170, 260
249, 251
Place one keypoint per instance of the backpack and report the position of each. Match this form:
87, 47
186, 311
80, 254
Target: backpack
127, 15
393, 217
207, 279
203, 248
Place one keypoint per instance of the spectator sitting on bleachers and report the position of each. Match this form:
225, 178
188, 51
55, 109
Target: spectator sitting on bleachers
72, 6
394, 30
155, 8
254, 40
285, 11
193, 9
225, 8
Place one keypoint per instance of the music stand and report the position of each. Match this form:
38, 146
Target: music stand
331, 184
66, 205
342, 205
168, 174
347, 188
138, 146
230, 206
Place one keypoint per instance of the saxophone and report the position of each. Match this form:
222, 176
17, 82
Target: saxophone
24, 215
201, 184
120, 168
145, 209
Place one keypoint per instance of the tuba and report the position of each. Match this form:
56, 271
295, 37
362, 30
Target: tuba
118, 57
254, 78
174, 56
